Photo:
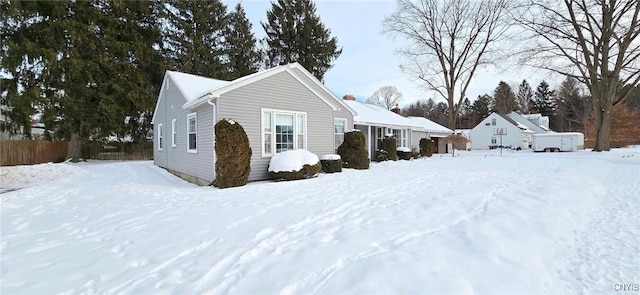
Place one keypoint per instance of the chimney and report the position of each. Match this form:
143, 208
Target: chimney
396, 109
349, 97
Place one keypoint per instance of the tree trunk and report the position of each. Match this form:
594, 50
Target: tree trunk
75, 148
603, 128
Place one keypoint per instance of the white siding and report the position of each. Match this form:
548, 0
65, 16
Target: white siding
481, 135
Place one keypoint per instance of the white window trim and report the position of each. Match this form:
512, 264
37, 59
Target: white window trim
160, 137
273, 130
334, 128
195, 116
173, 133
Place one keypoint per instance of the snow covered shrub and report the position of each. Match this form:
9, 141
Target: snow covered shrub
294, 164
381, 156
233, 154
415, 153
331, 163
426, 147
404, 153
353, 150
388, 145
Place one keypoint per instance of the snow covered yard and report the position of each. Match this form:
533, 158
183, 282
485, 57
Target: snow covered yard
521, 223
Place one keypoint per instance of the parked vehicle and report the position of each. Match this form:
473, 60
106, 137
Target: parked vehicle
558, 142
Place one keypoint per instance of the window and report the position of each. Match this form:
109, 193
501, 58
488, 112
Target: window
283, 131
159, 137
192, 131
267, 133
398, 135
173, 133
299, 131
493, 140
379, 135
339, 126
404, 138
493, 122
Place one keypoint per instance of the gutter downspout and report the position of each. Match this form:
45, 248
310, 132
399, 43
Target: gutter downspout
215, 116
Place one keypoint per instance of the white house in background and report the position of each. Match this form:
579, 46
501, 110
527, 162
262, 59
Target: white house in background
283, 108
538, 120
538, 124
433, 130
500, 130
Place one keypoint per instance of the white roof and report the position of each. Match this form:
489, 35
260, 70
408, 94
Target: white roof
430, 125
369, 114
194, 86
528, 125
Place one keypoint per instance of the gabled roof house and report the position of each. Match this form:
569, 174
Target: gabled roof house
282, 108
500, 130
376, 122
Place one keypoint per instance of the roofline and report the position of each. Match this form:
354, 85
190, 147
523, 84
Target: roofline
324, 87
164, 79
246, 80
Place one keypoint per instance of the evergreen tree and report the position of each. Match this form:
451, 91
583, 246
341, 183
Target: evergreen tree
194, 37
480, 109
296, 34
504, 100
464, 118
243, 56
84, 66
543, 101
524, 97
572, 108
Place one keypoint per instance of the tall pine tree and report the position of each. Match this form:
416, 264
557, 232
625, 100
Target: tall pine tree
194, 37
296, 34
243, 56
543, 101
480, 109
83, 66
504, 100
524, 97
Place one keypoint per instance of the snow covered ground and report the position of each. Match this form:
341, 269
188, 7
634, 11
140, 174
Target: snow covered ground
521, 223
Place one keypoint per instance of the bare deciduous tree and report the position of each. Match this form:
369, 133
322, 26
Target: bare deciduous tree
594, 41
449, 41
386, 97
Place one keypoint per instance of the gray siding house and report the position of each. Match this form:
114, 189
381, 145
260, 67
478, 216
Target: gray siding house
282, 108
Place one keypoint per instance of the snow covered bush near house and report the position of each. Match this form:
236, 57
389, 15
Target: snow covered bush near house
480, 223
294, 164
233, 154
404, 153
353, 150
331, 163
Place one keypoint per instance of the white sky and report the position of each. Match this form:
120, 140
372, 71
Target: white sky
368, 61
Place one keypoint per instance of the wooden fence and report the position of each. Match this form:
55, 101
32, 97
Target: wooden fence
118, 151
28, 152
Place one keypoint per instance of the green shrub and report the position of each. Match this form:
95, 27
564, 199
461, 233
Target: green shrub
381, 156
426, 147
404, 153
353, 150
387, 150
294, 158
233, 155
331, 163
415, 153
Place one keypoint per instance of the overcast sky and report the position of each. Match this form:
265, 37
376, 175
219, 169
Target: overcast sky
368, 61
